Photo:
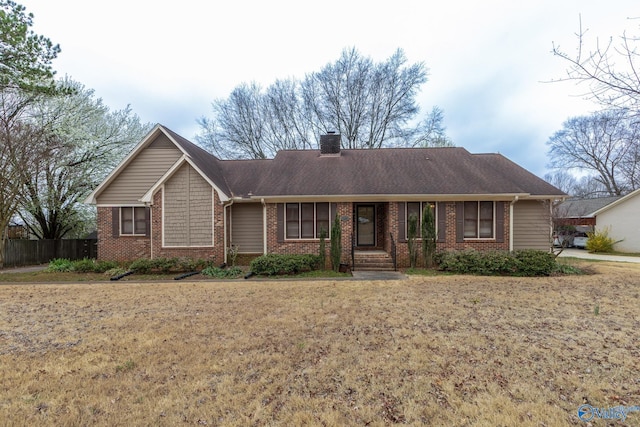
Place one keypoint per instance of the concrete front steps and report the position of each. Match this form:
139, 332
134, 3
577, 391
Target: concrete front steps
372, 261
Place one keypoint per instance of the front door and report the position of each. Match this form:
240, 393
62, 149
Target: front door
366, 225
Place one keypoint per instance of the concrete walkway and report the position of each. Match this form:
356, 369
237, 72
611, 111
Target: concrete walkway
583, 254
26, 269
378, 275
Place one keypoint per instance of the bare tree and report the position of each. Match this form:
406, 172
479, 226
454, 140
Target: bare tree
370, 104
237, 129
599, 144
609, 69
563, 180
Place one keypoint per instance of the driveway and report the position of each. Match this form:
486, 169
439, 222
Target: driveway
26, 269
581, 253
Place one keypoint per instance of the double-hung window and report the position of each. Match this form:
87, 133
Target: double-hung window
133, 221
417, 209
307, 220
479, 220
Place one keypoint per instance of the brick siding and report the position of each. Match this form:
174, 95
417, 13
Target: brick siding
129, 248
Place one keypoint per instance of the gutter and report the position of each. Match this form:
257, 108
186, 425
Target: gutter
264, 225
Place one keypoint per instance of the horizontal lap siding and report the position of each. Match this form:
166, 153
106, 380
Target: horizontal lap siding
138, 177
247, 229
531, 225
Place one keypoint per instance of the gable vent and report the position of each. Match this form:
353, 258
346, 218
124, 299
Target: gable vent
330, 144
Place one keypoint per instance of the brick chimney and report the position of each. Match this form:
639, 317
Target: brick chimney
330, 144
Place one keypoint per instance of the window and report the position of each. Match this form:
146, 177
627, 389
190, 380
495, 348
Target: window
133, 221
478, 220
417, 208
307, 220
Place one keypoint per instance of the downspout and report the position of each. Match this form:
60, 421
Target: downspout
264, 226
511, 223
224, 239
151, 230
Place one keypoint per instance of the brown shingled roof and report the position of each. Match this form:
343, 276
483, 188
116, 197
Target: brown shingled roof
385, 172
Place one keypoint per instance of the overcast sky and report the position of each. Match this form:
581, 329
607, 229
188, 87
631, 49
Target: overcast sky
488, 61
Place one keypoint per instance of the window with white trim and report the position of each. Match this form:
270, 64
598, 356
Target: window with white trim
133, 221
417, 208
479, 220
307, 220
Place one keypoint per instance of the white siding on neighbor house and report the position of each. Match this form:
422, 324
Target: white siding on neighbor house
247, 228
531, 225
623, 223
187, 210
143, 171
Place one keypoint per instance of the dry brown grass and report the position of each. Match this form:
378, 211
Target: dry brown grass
448, 350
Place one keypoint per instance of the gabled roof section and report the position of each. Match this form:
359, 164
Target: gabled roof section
617, 202
204, 162
585, 208
381, 173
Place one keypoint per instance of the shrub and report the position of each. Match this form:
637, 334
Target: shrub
142, 266
222, 273
103, 266
84, 265
535, 263
275, 264
412, 233
493, 263
336, 243
599, 241
322, 250
60, 265
164, 265
428, 236
116, 271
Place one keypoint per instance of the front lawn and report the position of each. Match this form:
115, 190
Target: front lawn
440, 350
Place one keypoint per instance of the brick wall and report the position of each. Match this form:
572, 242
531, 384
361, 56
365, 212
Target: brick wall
124, 248
450, 242
309, 246
129, 248
215, 253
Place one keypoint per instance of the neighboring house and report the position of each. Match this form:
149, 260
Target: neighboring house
620, 218
170, 198
581, 212
617, 214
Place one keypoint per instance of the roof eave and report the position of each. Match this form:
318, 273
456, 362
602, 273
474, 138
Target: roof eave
148, 196
394, 197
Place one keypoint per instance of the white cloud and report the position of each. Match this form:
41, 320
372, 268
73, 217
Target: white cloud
487, 59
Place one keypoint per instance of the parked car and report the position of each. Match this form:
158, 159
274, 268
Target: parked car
580, 240
563, 239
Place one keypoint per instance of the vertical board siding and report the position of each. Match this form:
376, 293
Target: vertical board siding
247, 229
136, 179
188, 209
531, 225
200, 210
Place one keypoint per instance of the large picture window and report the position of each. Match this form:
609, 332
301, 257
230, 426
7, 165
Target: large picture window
133, 221
307, 220
479, 220
417, 209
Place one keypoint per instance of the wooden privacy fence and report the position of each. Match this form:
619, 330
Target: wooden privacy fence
19, 252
